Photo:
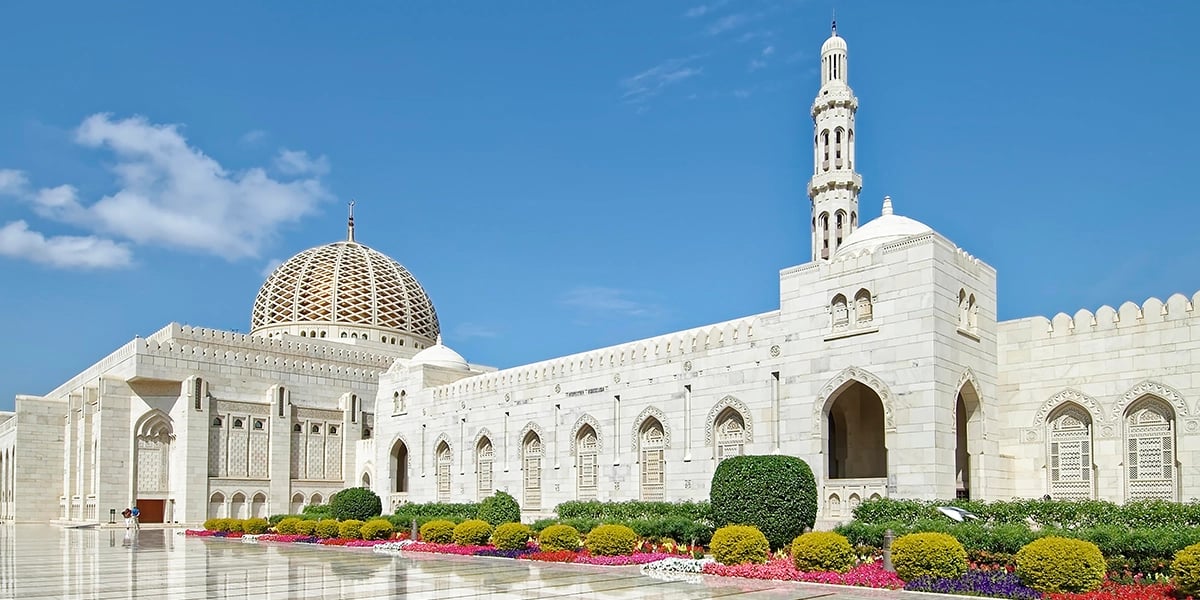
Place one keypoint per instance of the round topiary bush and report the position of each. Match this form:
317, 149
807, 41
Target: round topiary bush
254, 526
776, 494
350, 529
232, 525
357, 503
821, 551
213, 524
287, 526
559, 537
439, 531
739, 544
472, 533
1185, 571
511, 536
935, 555
306, 527
1058, 564
611, 540
326, 528
499, 508
376, 529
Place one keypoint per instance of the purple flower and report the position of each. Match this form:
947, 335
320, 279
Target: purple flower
998, 584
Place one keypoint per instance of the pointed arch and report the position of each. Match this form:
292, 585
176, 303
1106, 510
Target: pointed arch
443, 438
1070, 468
843, 380
1084, 401
585, 420
1149, 430
530, 427
650, 412
970, 429
483, 432
399, 453
154, 423
1150, 388
152, 460
715, 411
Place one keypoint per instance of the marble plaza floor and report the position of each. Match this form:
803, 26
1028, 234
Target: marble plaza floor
41, 561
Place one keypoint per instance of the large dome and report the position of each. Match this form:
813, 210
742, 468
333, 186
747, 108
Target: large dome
345, 290
888, 227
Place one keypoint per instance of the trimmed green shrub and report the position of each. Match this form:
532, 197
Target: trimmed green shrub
511, 536
275, 519
1045, 514
739, 544
776, 494
1185, 571
317, 512
357, 503
442, 510
376, 529
1059, 564
255, 526
475, 532
213, 524
634, 510
287, 526
611, 540
306, 527
326, 528
559, 537
232, 525
350, 529
928, 555
817, 551
439, 531
499, 508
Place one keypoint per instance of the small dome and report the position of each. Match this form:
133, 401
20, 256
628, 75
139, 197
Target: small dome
440, 355
888, 227
835, 42
344, 284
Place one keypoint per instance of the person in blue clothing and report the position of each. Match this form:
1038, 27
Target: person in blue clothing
136, 513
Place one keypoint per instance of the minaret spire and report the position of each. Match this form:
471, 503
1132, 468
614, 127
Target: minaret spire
350, 224
835, 184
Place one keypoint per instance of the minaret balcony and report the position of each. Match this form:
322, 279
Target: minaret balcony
835, 180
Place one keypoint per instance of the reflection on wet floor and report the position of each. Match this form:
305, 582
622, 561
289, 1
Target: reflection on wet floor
41, 561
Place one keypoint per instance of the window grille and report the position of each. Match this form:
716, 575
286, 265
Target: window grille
1070, 453
443, 473
1150, 453
587, 463
485, 458
653, 479
532, 465
731, 437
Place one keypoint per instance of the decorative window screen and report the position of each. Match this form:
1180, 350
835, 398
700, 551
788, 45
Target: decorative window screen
587, 461
1150, 452
731, 437
1070, 451
443, 473
485, 458
532, 466
653, 479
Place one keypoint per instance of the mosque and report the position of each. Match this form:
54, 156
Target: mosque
884, 368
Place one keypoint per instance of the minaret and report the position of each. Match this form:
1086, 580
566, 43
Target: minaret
835, 185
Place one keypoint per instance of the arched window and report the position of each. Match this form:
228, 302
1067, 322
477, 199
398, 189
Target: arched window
730, 437
839, 140
444, 460
297, 428
485, 457
651, 447
297, 503
972, 313
964, 308
216, 506
531, 464
824, 226
1070, 453
343, 335
840, 311
216, 422
399, 467
863, 311
237, 423
1150, 451
839, 227
316, 500
825, 150
587, 461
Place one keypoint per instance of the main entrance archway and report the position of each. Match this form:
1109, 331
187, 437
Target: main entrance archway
856, 463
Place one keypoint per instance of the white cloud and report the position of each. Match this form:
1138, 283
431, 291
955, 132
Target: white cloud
253, 136
13, 182
728, 22
90, 252
297, 162
769, 50
703, 9
599, 300
756, 64
171, 194
653, 81
474, 330
271, 266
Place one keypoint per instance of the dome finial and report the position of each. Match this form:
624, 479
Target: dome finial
835, 21
439, 340
887, 205
350, 224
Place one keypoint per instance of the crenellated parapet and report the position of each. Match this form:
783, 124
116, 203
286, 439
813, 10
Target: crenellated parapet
255, 344
1108, 319
665, 347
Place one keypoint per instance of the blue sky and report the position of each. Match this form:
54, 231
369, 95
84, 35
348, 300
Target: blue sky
562, 176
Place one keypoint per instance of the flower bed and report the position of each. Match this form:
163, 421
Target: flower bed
1122, 591
996, 584
863, 575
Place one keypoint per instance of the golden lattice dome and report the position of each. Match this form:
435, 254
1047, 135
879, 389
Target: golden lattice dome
345, 290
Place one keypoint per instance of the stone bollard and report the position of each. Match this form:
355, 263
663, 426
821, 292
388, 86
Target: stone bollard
808, 530
414, 532
888, 536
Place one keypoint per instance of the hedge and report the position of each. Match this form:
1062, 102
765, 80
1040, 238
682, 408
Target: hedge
1059, 514
776, 494
634, 510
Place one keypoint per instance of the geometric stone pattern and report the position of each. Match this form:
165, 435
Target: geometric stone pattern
345, 282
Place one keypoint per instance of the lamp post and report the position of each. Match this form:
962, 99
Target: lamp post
112, 516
